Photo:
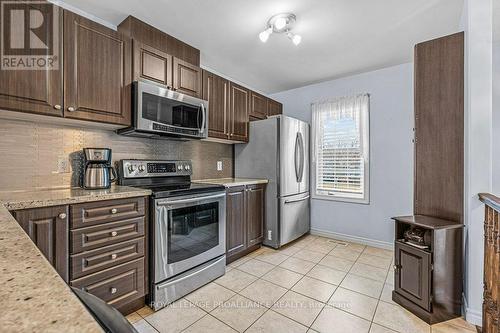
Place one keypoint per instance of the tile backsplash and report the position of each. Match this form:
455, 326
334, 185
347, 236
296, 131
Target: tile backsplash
30, 153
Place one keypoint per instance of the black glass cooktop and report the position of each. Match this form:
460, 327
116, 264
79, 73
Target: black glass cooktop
178, 189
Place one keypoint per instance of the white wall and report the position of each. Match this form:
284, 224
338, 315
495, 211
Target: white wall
477, 23
391, 155
496, 116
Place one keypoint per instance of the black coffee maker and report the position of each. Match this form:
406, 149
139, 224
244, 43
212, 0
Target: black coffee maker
98, 173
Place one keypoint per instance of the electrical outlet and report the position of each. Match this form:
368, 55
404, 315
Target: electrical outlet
63, 165
219, 165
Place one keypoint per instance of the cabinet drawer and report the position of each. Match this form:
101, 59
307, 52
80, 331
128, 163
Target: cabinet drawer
118, 285
92, 213
89, 262
85, 239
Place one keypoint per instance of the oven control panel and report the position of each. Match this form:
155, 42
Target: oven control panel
152, 168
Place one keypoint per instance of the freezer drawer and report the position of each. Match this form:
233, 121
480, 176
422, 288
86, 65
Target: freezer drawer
294, 217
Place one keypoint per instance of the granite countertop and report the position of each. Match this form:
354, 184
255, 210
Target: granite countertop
34, 297
232, 182
54, 197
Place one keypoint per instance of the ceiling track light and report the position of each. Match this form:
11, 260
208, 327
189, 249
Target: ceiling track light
281, 24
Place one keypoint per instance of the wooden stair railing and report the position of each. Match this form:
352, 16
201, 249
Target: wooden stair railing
491, 294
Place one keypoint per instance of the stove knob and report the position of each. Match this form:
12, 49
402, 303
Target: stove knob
131, 168
179, 167
187, 167
141, 168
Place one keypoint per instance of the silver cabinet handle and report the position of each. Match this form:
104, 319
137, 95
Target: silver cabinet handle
298, 200
113, 290
62, 216
114, 233
114, 256
71, 109
114, 211
57, 107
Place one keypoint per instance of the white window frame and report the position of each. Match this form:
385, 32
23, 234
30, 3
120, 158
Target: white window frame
365, 137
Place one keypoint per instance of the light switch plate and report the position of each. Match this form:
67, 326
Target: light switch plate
219, 165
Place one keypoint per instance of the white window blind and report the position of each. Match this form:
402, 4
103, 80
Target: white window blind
341, 148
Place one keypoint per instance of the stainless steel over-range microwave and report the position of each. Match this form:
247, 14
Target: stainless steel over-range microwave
161, 112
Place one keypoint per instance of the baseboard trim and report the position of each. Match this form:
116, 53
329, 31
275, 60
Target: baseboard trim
473, 316
354, 239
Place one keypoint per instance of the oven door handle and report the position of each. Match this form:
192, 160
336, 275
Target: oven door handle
195, 199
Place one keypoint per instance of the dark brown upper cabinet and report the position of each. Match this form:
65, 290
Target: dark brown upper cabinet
96, 75
216, 92
255, 203
34, 91
258, 106
239, 99
152, 64
186, 78
48, 228
273, 107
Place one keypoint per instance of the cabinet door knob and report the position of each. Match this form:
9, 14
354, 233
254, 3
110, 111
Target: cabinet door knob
114, 211
114, 233
114, 255
62, 216
113, 290
57, 107
71, 109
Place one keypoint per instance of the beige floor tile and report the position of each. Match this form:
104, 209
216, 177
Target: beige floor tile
337, 263
209, 324
327, 274
290, 250
344, 253
449, 328
362, 285
332, 320
313, 288
255, 267
145, 311
263, 292
175, 317
297, 265
235, 280
308, 255
272, 322
380, 262
390, 277
263, 249
460, 322
375, 251
368, 271
274, 258
239, 312
323, 246
282, 277
240, 261
210, 296
355, 246
397, 318
142, 326
355, 303
298, 307
387, 293
376, 328
133, 317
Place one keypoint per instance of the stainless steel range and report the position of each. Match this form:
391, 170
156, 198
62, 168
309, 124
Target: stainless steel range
187, 227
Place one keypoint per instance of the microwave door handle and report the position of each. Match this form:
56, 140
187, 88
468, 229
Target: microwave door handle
203, 118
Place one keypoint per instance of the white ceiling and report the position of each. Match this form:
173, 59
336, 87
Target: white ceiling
339, 37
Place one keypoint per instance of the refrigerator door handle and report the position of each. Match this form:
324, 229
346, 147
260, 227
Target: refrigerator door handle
297, 147
302, 158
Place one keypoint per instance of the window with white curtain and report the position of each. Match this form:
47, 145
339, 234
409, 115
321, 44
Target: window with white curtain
341, 150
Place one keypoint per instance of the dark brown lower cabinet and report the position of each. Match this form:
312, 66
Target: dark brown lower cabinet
48, 228
244, 220
428, 281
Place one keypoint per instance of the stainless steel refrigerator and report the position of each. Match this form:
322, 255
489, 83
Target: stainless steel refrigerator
279, 151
